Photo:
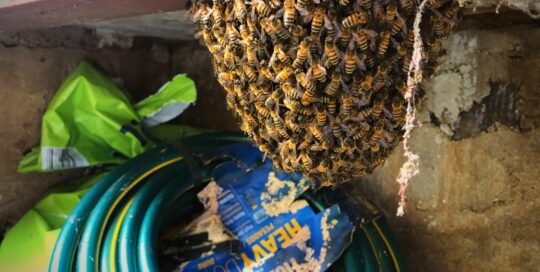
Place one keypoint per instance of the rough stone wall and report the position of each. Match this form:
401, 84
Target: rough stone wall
475, 204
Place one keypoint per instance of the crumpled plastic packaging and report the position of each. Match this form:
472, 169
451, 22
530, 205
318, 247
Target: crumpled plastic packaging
91, 122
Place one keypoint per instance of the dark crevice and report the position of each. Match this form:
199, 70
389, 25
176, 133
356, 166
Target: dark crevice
498, 107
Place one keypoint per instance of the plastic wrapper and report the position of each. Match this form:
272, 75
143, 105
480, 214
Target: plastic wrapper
91, 122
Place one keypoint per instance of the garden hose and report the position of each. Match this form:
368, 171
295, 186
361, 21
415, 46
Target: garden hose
63, 256
117, 224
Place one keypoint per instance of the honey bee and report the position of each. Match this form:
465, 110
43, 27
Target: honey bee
345, 38
244, 34
290, 91
451, 11
251, 55
402, 88
331, 53
331, 106
279, 124
383, 43
284, 74
336, 129
369, 61
397, 109
406, 64
366, 4
317, 21
262, 8
367, 82
219, 35
240, 9
407, 5
306, 111
305, 82
376, 162
298, 32
409, 41
306, 143
307, 97
225, 78
377, 108
292, 125
359, 17
317, 133
361, 39
265, 71
361, 115
380, 76
291, 104
280, 31
232, 34
216, 12
301, 4
396, 27
229, 57
271, 129
361, 131
332, 87
274, 4
317, 71
391, 10
330, 25
214, 48
324, 167
440, 28
281, 55
231, 101
266, 25
377, 133
302, 53
249, 72
289, 15
347, 104
272, 100
307, 163
321, 116
350, 62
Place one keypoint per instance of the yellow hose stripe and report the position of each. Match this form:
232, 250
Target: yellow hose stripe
373, 249
112, 253
390, 249
133, 184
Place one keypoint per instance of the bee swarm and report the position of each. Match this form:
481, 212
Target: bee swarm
320, 85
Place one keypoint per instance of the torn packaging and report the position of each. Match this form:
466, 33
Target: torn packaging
259, 207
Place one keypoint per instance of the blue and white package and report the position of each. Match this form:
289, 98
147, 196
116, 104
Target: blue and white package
260, 207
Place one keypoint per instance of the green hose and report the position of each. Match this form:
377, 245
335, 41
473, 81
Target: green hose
119, 219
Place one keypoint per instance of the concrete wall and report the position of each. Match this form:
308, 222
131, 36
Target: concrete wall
475, 203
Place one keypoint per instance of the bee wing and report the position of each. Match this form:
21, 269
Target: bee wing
360, 61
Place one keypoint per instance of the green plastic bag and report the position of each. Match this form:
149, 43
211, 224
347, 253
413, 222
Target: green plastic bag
91, 122
168, 102
29, 244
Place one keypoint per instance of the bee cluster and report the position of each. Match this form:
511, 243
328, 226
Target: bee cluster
319, 85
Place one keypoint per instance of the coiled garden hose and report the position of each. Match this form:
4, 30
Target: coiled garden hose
116, 225
87, 215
